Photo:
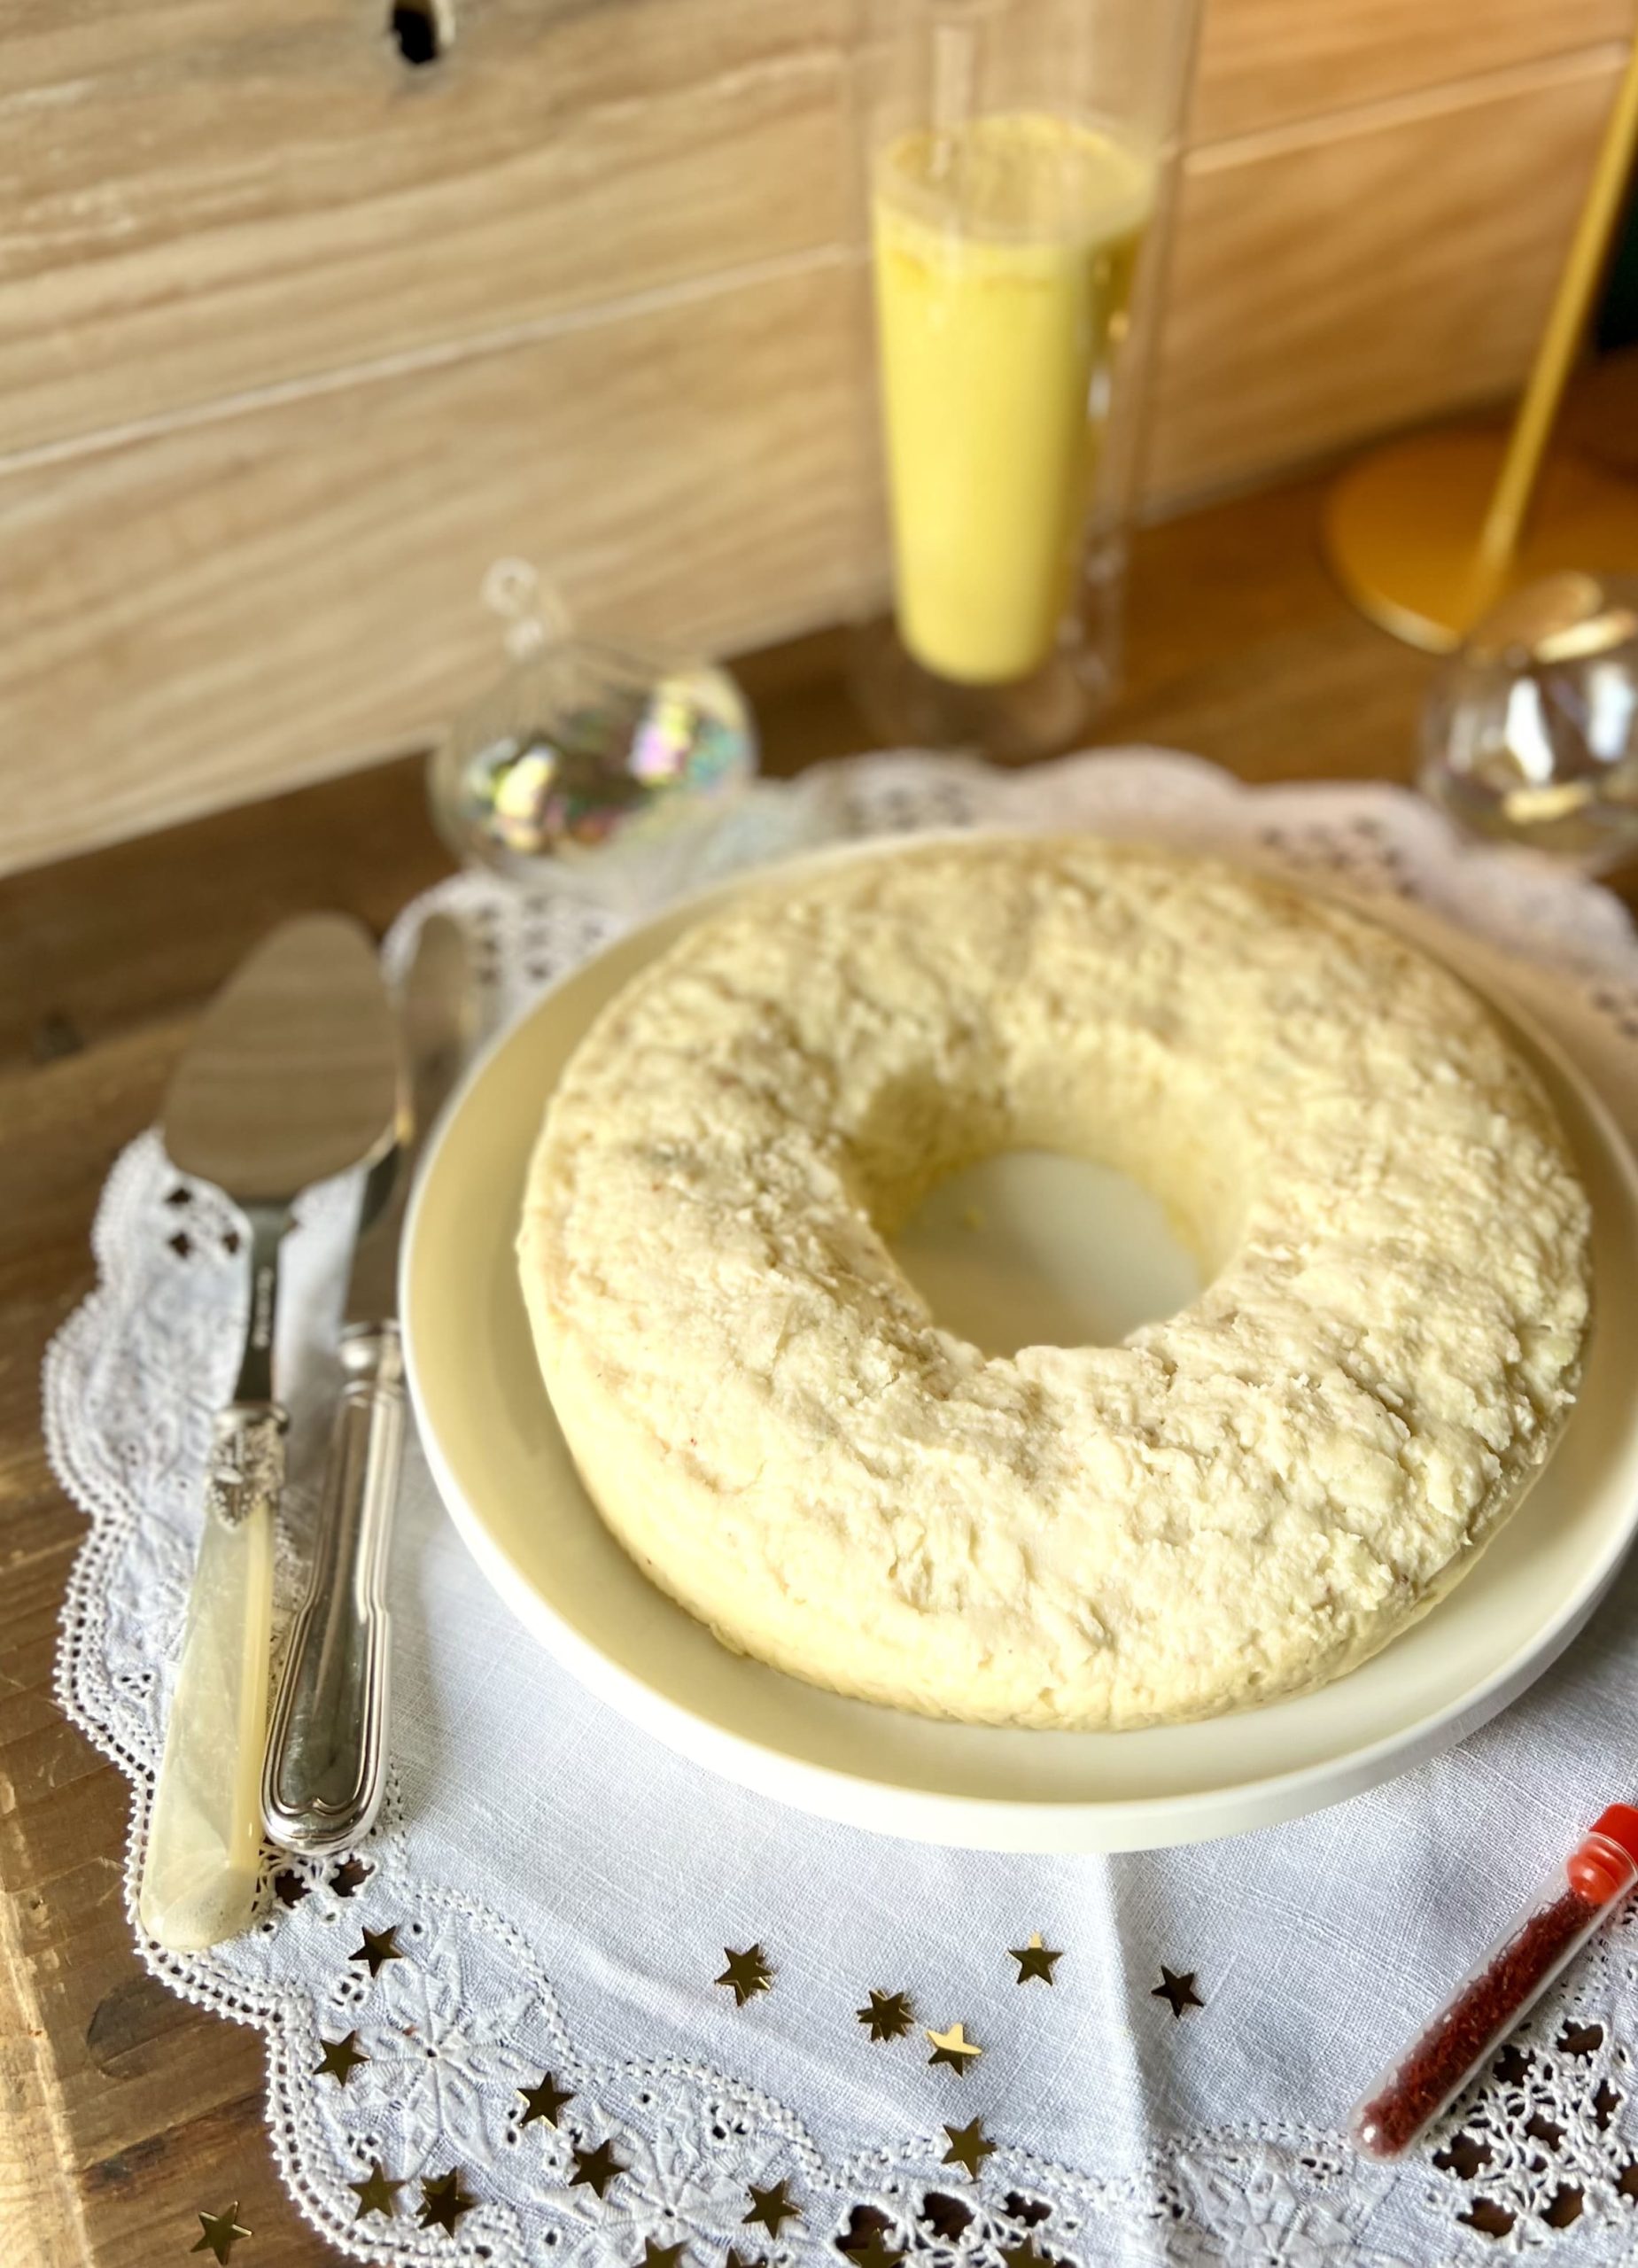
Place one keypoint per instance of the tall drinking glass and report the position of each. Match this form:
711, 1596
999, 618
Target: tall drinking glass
1017, 157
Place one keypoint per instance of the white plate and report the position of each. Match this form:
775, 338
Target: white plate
501, 1465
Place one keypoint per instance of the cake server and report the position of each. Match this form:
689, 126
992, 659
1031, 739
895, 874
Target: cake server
327, 1757
292, 1077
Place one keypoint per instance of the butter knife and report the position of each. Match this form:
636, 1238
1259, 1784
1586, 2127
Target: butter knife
326, 1762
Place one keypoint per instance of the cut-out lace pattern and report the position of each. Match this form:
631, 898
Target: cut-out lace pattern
1542, 2158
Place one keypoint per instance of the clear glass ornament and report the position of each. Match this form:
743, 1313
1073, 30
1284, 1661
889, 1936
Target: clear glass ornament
595, 763
1530, 733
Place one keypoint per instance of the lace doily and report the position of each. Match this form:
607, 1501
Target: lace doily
560, 1893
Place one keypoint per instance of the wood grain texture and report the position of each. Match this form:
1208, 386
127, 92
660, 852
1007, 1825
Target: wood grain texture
1266, 63
34, 2139
294, 340
203, 614
243, 603
1339, 283
200, 201
205, 198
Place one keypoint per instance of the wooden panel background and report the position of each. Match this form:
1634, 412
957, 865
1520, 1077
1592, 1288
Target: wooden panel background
1339, 277
295, 340
1270, 62
201, 201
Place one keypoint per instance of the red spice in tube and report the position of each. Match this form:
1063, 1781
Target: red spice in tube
1583, 1892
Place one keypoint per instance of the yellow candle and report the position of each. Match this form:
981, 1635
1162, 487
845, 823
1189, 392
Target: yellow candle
1004, 257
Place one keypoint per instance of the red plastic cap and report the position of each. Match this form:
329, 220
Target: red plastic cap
1619, 1822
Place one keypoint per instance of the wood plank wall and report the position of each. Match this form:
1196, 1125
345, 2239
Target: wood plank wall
295, 340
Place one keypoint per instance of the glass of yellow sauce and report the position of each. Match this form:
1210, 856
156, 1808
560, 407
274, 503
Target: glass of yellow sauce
1017, 162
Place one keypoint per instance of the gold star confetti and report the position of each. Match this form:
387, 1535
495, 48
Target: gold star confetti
222, 2231
873, 2253
443, 2201
738, 2259
772, 2207
969, 2147
1179, 1991
340, 2058
379, 1947
660, 2256
545, 2101
375, 2193
955, 2048
889, 2015
596, 2168
1034, 1960
747, 1973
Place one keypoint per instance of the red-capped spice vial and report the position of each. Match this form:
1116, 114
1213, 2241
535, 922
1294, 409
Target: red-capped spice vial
1494, 1997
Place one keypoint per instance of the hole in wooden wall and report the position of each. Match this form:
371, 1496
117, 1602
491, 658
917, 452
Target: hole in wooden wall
421, 29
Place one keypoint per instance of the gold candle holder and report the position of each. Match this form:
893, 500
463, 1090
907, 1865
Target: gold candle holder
1427, 533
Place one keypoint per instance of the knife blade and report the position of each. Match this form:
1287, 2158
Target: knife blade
326, 1762
435, 1017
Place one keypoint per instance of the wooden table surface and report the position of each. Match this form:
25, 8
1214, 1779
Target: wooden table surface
124, 2111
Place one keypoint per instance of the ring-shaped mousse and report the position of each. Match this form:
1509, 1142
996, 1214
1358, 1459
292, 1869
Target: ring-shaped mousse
1240, 1501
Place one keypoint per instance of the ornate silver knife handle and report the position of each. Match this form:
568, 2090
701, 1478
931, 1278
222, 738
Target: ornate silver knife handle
246, 1467
326, 1760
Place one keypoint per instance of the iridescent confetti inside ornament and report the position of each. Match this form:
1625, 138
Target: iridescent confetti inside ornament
1530, 733
595, 762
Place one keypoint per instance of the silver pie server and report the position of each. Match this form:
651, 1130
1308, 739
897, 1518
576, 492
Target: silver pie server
326, 1763
292, 1076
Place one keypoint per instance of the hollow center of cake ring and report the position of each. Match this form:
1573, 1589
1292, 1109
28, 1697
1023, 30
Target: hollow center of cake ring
1031, 1248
